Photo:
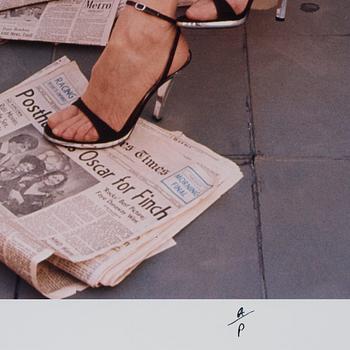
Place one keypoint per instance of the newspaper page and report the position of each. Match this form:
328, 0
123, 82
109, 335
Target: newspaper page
49, 280
25, 256
10, 4
84, 22
100, 213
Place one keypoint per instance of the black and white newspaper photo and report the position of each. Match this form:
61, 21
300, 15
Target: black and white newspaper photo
34, 174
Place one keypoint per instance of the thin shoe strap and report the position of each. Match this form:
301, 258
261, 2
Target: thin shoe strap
223, 9
171, 55
149, 11
103, 129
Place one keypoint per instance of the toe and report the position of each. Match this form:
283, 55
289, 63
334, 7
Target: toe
91, 135
71, 131
191, 12
202, 10
195, 9
66, 126
61, 116
82, 131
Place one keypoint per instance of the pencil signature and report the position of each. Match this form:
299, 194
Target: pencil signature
240, 315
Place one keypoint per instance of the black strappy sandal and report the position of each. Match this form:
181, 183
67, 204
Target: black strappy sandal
107, 136
226, 18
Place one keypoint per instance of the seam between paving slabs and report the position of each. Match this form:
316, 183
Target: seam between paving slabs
255, 179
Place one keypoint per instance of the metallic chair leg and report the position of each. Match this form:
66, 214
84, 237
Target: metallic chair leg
162, 95
281, 10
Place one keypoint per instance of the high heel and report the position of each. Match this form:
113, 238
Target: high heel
226, 18
163, 92
162, 95
107, 136
281, 10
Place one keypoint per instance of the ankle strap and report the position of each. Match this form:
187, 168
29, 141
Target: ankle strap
143, 8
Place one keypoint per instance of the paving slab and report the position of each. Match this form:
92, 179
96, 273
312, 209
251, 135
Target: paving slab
305, 227
298, 71
19, 60
215, 257
208, 100
330, 19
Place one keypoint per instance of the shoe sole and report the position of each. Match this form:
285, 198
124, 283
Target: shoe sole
89, 145
212, 24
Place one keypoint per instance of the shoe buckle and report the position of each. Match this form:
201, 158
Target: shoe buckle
140, 7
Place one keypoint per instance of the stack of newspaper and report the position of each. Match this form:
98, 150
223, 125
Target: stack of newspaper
85, 22
73, 218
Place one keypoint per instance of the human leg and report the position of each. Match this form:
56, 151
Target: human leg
130, 65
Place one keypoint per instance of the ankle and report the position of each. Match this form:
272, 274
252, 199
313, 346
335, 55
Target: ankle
135, 28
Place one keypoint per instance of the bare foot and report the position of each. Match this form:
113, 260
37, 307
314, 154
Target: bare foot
130, 65
205, 10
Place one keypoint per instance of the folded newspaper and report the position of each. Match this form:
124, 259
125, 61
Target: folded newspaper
84, 22
10, 4
76, 218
